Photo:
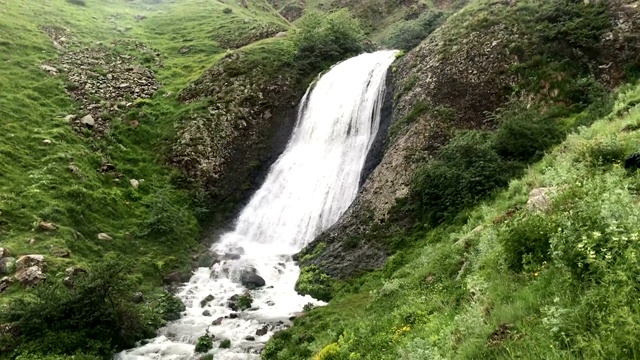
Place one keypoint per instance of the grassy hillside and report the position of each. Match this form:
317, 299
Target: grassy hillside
556, 282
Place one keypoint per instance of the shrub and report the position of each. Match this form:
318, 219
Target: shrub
77, 2
225, 344
464, 171
408, 34
244, 301
527, 240
227, 11
324, 39
204, 344
170, 307
314, 282
524, 134
96, 316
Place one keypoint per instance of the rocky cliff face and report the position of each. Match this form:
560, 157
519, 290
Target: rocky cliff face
487, 54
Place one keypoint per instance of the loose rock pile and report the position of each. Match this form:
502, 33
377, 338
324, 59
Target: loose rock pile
102, 80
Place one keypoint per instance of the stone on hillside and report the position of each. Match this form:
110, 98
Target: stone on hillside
632, 162
32, 241
27, 261
104, 237
71, 273
140, 17
50, 69
57, 45
30, 276
539, 198
172, 278
281, 34
69, 118
134, 183
4, 283
4, 252
138, 298
88, 121
73, 168
47, 226
7, 265
46, 141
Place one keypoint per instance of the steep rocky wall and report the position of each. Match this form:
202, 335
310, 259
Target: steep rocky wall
471, 66
249, 112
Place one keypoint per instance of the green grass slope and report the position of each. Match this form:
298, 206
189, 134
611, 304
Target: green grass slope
512, 282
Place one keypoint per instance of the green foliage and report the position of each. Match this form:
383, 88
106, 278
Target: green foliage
77, 2
207, 357
244, 301
225, 344
509, 282
204, 344
524, 134
96, 316
323, 39
526, 240
314, 282
408, 34
464, 171
170, 307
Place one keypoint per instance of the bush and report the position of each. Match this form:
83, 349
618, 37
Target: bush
527, 240
323, 39
204, 344
77, 2
315, 283
525, 134
408, 34
464, 171
244, 301
225, 344
95, 317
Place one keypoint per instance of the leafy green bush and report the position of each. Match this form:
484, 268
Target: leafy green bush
96, 316
524, 134
170, 307
225, 344
204, 344
325, 39
464, 171
605, 151
408, 34
244, 301
315, 283
526, 240
77, 2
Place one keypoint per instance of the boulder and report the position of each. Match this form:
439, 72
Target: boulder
27, 261
632, 162
217, 321
46, 226
4, 252
250, 279
7, 265
50, 69
206, 313
88, 121
138, 298
172, 278
250, 338
5, 282
206, 300
30, 276
134, 183
262, 331
539, 198
104, 237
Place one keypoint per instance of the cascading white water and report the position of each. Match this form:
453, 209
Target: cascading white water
307, 189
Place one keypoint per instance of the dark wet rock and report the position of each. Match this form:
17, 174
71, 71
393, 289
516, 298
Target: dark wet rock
250, 338
4, 252
632, 162
208, 259
217, 321
206, 300
206, 313
233, 316
250, 279
172, 278
5, 282
262, 331
231, 256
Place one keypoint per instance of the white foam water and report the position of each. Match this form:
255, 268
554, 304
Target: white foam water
306, 191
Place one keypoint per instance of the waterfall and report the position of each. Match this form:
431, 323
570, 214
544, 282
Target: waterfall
306, 191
